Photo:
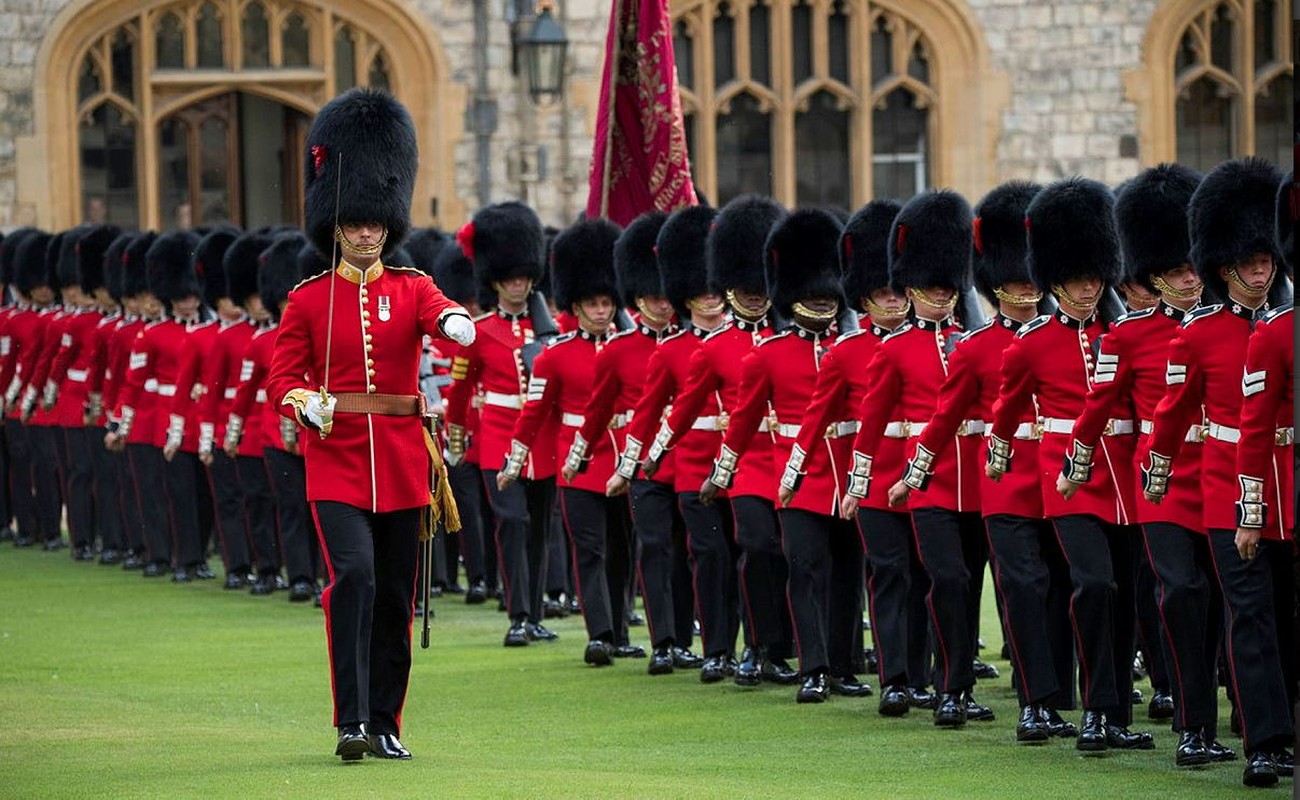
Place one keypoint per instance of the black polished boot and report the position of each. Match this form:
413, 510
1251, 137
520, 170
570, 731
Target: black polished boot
1092, 734
353, 744
1191, 750
750, 670
661, 661
1032, 729
951, 710
815, 689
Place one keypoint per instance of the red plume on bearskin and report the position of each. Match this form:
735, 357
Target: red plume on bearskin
465, 239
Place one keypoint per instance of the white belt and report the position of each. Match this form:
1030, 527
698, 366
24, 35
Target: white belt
572, 420
902, 430
787, 430
1025, 431
710, 423
1284, 437
503, 400
847, 427
166, 390
1195, 434
261, 396
972, 427
1114, 427
1281, 436
229, 394
150, 385
619, 421
78, 375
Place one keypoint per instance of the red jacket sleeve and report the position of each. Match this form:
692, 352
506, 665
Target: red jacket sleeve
254, 366
465, 367
1111, 382
99, 338
213, 373
291, 361
543, 396
829, 395
1017, 392
879, 402
48, 341
139, 367
1268, 371
434, 307
66, 350
656, 396
701, 381
752, 402
609, 385
1184, 390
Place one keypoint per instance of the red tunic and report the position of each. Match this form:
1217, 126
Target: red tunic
558, 391
73, 367
907, 371
56, 328
495, 362
221, 373
118, 354
1130, 379
669, 369
149, 386
262, 421
100, 344
1049, 365
17, 345
1267, 408
968, 393
715, 374
778, 376
370, 461
200, 336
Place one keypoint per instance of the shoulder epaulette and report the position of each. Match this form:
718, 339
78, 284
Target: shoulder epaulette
310, 278
484, 316
721, 329
1132, 315
980, 329
561, 339
1277, 312
1202, 313
677, 335
770, 339
412, 270
620, 335
1034, 324
899, 331
851, 335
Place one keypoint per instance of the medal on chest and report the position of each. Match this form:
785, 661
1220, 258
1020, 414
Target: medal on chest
385, 309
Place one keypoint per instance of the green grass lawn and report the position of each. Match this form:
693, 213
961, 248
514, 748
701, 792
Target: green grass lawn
112, 686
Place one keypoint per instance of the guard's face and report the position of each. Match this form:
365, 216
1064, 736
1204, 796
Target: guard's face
363, 234
1182, 278
42, 295
227, 308
256, 310
1137, 296
751, 302
1256, 271
598, 311
708, 305
1085, 290
187, 306
938, 295
103, 298
657, 305
513, 290
821, 305
150, 305
888, 299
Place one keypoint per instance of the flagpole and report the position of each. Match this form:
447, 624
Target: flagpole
611, 122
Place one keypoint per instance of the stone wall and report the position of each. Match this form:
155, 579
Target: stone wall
22, 25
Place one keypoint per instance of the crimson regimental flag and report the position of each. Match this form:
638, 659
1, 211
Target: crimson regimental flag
639, 161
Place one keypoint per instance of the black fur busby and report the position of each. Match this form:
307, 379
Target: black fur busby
135, 272
169, 265
279, 269
864, 256
634, 258
679, 252
582, 262
737, 244
209, 260
66, 263
90, 252
505, 241
999, 237
29, 262
454, 275
1071, 226
240, 265
930, 242
115, 265
52, 252
9, 254
361, 161
802, 256
311, 262
425, 245
1232, 216
1288, 209
1151, 217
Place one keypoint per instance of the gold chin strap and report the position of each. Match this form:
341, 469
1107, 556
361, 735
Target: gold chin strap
1178, 294
694, 305
877, 310
819, 316
654, 318
745, 312
350, 249
1017, 299
1249, 290
919, 297
1066, 297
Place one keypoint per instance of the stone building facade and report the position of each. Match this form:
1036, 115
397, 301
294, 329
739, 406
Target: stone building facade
995, 89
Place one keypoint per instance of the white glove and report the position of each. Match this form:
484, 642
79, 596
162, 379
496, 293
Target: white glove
320, 413
460, 329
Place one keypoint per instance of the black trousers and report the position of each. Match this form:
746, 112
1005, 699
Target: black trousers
1190, 607
45, 481
713, 558
764, 573
369, 605
289, 484
1033, 580
598, 536
22, 479
152, 496
523, 536
185, 478
825, 588
259, 506
81, 456
560, 570
1148, 624
897, 585
1255, 654
107, 489
129, 502
655, 524
683, 584
1101, 556
943, 537
6, 506
231, 519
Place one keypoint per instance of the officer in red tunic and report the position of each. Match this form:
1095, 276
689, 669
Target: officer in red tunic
1073, 253
1028, 568
620, 379
345, 365
1235, 251
929, 261
777, 380
1151, 214
679, 249
753, 547
506, 244
13, 302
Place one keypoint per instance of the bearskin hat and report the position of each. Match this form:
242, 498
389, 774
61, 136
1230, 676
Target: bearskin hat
1151, 216
240, 265
737, 243
135, 273
310, 261
279, 269
361, 160
679, 252
115, 264
802, 256
454, 275
930, 242
582, 262
1071, 225
425, 245
52, 252
505, 241
9, 254
1288, 208
1232, 216
209, 262
90, 250
864, 257
65, 267
29, 263
169, 265
999, 237
634, 258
